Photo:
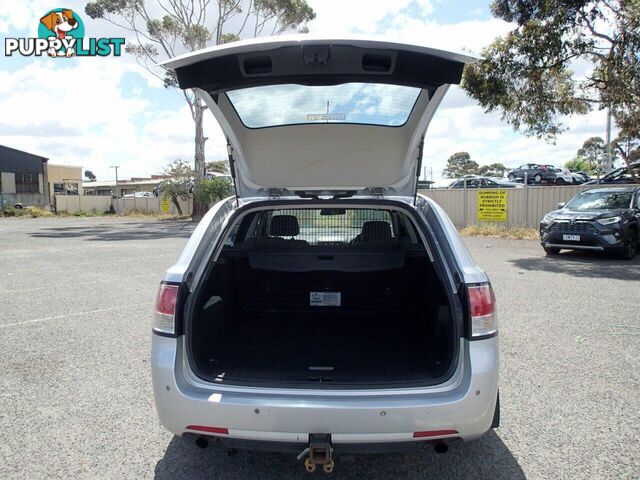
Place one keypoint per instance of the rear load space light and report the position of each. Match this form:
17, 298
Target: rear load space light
203, 428
482, 304
434, 433
164, 320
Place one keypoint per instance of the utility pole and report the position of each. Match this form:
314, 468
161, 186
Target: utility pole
609, 164
116, 167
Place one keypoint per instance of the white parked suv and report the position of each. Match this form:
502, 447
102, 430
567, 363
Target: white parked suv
326, 308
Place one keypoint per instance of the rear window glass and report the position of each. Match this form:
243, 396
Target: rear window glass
362, 103
339, 226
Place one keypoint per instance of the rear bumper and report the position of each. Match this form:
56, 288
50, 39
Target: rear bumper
358, 417
337, 448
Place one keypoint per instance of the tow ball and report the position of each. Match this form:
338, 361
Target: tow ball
319, 452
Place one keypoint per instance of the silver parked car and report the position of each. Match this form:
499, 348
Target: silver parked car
326, 308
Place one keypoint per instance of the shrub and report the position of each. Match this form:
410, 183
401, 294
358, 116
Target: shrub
13, 212
212, 190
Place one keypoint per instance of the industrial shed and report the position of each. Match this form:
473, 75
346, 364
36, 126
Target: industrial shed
23, 178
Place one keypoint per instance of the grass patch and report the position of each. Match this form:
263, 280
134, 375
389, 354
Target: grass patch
499, 231
157, 216
32, 212
36, 212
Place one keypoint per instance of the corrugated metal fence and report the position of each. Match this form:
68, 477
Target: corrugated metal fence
89, 203
525, 206
81, 203
152, 205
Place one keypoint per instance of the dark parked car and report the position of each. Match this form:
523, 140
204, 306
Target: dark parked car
604, 219
630, 174
535, 173
482, 182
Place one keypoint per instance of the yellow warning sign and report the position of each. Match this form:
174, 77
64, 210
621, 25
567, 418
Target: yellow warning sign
165, 205
492, 205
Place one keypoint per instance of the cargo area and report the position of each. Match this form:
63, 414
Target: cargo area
322, 298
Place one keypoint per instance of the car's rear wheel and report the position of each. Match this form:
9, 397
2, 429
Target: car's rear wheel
551, 250
537, 178
560, 181
630, 248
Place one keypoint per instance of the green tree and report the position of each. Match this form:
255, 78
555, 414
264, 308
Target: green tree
212, 190
627, 145
219, 166
186, 26
592, 151
578, 163
460, 164
493, 170
527, 74
179, 186
88, 174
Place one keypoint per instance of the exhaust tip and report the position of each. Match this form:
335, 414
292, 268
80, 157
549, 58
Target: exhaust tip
441, 447
202, 442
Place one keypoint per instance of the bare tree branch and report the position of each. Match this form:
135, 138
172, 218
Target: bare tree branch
589, 25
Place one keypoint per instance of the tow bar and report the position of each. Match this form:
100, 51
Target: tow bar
320, 452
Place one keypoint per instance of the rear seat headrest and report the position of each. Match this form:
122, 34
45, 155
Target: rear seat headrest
376, 230
284, 226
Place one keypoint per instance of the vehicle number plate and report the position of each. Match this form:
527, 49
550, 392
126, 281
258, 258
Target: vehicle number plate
571, 238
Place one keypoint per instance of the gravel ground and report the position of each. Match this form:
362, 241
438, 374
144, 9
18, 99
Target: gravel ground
75, 388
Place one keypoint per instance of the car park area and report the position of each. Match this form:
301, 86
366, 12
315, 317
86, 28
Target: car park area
75, 391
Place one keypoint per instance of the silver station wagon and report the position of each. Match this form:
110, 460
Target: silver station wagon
326, 308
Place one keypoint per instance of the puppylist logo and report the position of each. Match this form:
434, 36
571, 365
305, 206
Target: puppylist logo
61, 34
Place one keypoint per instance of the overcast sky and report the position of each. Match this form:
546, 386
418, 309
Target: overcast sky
102, 111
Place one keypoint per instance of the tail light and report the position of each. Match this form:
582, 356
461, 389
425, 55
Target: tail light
482, 303
164, 320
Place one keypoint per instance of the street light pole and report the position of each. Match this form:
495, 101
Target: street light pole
608, 139
116, 167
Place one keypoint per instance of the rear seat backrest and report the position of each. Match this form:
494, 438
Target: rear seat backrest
284, 226
376, 231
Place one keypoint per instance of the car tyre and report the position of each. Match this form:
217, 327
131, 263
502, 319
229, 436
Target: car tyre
537, 178
628, 252
560, 181
551, 250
